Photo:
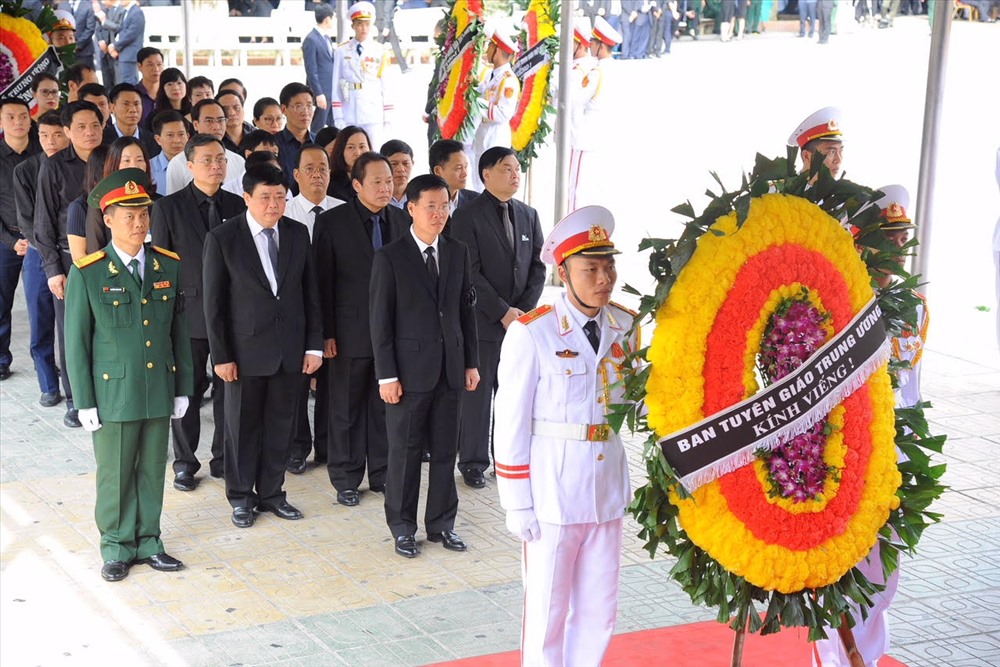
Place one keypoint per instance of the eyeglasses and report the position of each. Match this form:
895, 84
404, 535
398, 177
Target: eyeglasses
205, 162
299, 108
309, 171
47, 93
212, 121
270, 119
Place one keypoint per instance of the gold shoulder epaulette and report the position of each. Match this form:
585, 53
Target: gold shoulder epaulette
168, 253
533, 315
89, 259
627, 310
343, 43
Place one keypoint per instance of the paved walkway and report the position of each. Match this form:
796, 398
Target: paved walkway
329, 589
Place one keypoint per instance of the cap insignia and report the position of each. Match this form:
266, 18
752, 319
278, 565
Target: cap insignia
131, 188
598, 233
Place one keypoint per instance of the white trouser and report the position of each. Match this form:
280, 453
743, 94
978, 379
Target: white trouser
871, 634
570, 579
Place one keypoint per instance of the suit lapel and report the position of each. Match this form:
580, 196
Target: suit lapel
362, 229
496, 224
420, 266
444, 265
250, 250
285, 251
196, 221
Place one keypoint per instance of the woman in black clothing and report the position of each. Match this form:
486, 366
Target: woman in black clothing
351, 143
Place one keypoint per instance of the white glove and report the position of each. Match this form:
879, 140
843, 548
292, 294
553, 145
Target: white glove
180, 407
88, 417
523, 525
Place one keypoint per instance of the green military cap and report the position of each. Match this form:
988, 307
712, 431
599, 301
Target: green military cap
125, 187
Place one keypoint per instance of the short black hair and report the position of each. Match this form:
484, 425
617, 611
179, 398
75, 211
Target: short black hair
262, 157
75, 73
73, 108
243, 89
164, 117
258, 138
92, 90
492, 157
199, 140
361, 165
261, 105
326, 136
442, 150
200, 82
394, 146
423, 183
311, 147
146, 52
322, 13
197, 108
51, 118
39, 78
293, 89
15, 100
123, 88
230, 91
262, 174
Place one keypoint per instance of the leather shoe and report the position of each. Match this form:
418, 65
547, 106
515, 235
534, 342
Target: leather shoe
282, 510
163, 562
474, 478
5, 373
243, 517
296, 466
50, 399
185, 481
449, 539
71, 419
406, 546
114, 570
376, 488
350, 497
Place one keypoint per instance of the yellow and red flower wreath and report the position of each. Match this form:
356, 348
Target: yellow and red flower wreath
456, 97
529, 125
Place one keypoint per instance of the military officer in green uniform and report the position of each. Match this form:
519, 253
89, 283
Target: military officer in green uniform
128, 351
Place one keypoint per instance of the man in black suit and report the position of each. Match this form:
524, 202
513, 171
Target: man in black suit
448, 160
423, 328
505, 243
126, 112
180, 223
264, 332
318, 56
345, 239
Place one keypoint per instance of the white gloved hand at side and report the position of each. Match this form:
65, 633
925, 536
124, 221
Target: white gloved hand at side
88, 417
180, 407
523, 525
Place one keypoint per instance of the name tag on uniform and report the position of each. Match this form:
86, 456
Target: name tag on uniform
567, 354
114, 289
161, 285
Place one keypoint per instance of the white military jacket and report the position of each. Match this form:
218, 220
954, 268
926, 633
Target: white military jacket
911, 348
500, 91
360, 95
551, 383
590, 98
580, 94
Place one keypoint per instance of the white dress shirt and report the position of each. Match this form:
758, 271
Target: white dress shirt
126, 258
301, 209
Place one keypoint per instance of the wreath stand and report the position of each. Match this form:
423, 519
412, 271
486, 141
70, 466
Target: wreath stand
844, 631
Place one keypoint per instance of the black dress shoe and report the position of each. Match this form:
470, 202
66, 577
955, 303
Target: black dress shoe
449, 539
71, 419
350, 497
5, 372
282, 510
163, 562
406, 546
377, 488
185, 481
216, 469
243, 517
296, 466
474, 478
50, 399
114, 570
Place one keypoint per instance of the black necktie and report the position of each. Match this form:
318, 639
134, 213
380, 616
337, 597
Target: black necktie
316, 210
272, 250
432, 265
134, 269
359, 48
213, 213
590, 328
508, 226
376, 232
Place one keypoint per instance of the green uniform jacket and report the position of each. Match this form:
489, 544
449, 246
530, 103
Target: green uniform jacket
127, 350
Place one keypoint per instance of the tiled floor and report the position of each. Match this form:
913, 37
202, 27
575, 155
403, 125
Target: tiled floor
329, 590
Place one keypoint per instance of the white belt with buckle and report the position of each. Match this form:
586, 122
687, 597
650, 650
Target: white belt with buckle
560, 431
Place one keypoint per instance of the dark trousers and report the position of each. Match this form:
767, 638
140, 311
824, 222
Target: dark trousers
668, 29
807, 17
357, 433
323, 117
624, 49
303, 443
824, 15
42, 316
10, 274
260, 416
187, 429
475, 432
60, 310
430, 417
108, 73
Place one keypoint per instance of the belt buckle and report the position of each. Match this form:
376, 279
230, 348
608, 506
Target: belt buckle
599, 432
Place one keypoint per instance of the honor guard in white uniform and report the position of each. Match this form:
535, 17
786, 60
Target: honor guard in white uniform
872, 633
360, 94
820, 131
562, 472
589, 100
583, 63
500, 90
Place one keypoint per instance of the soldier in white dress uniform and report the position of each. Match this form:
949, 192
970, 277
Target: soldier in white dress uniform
583, 63
360, 94
872, 634
562, 472
820, 131
587, 165
500, 90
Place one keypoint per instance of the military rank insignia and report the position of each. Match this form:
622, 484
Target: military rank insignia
567, 354
112, 269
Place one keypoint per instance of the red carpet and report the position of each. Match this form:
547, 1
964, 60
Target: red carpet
708, 644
